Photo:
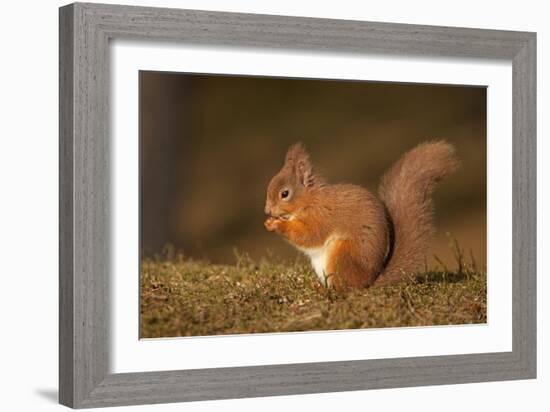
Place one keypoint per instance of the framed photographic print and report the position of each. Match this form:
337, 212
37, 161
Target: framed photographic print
256, 205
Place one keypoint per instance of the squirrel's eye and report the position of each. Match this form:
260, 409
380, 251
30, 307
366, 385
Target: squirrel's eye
284, 194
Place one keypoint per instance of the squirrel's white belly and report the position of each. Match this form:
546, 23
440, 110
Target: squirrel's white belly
319, 259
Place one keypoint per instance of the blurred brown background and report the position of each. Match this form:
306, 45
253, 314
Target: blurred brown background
210, 144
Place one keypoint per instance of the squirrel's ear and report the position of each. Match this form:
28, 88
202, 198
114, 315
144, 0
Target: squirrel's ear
298, 159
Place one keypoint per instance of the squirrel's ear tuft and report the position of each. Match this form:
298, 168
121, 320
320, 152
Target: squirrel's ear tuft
298, 159
295, 152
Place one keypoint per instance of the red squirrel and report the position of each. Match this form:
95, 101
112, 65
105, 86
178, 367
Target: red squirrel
354, 238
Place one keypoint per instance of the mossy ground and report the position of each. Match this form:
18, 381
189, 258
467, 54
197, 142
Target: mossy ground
181, 297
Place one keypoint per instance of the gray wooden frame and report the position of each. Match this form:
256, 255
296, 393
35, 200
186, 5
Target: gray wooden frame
85, 31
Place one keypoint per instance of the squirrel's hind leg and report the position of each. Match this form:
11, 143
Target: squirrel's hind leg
345, 269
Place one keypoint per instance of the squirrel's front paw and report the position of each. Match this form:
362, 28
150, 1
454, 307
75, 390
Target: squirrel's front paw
271, 223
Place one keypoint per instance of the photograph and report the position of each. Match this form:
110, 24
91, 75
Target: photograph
275, 206
272, 205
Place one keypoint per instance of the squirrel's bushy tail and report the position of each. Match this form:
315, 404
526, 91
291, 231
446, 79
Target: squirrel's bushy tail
406, 189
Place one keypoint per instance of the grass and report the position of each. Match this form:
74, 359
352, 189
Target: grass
181, 297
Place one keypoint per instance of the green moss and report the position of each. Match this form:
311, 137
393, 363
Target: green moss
189, 298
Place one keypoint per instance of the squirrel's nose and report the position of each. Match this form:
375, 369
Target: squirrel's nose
267, 210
